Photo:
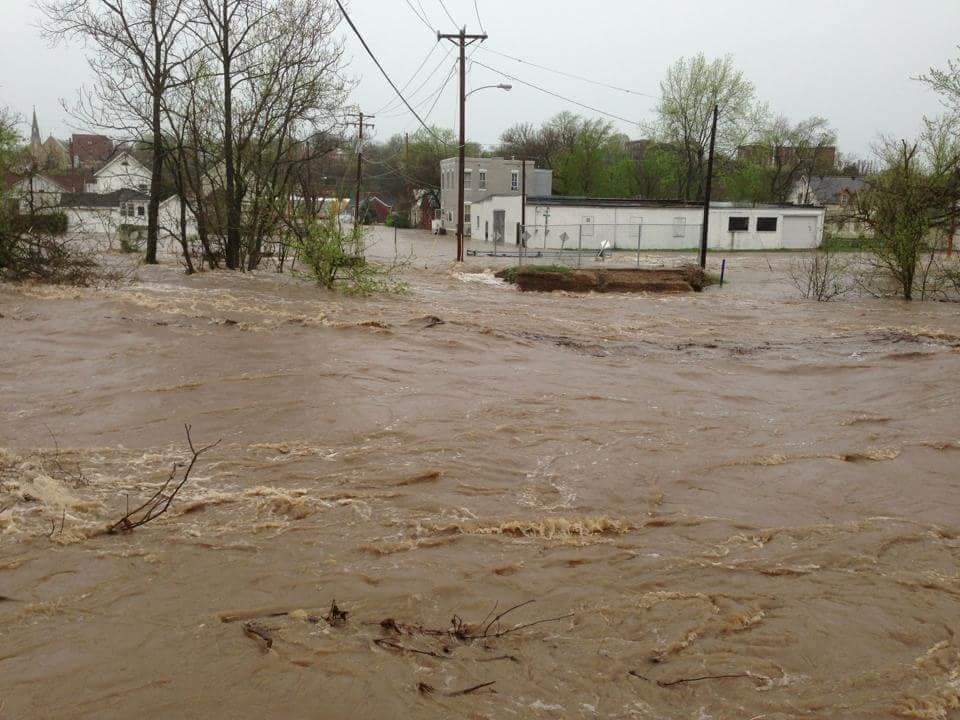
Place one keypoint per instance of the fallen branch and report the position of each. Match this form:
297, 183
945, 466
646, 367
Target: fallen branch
680, 681
159, 503
427, 689
465, 632
235, 615
390, 644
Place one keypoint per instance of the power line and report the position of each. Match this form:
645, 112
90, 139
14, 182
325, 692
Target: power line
557, 95
384, 72
566, 74
444, 6
479, 21
435, 96
423, 84
390, 103
422, 18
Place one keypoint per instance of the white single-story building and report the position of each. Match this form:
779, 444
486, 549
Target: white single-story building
96, 213
556, 222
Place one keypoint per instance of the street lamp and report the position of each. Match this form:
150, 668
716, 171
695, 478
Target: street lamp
501, 86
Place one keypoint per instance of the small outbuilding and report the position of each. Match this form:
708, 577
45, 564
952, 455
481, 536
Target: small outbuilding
556, 222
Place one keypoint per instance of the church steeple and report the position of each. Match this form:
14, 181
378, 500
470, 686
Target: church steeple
35, 140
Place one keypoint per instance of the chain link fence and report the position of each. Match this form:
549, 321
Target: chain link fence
585, 244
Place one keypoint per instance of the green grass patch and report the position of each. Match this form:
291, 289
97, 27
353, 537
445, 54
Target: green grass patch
844, 244
510, 274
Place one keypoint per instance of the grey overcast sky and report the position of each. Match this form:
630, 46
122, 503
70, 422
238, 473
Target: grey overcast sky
851, 62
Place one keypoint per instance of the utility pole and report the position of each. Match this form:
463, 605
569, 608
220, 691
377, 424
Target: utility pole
706, 194
523, 200
361, 123
463, 40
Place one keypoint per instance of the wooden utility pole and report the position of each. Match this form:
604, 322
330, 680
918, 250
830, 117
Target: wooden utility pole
523, 201
706, 193
361, 123
463, 40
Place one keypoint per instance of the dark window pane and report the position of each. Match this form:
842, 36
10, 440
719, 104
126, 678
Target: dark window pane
738, 224
766, 224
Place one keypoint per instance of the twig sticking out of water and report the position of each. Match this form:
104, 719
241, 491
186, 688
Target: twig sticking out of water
77, 478
159, 503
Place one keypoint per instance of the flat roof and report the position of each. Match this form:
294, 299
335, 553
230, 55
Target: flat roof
572, 201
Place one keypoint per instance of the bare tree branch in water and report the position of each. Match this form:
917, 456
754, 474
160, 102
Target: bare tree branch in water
681, 681
160, 501
466, 632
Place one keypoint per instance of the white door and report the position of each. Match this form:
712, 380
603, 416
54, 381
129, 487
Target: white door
799, 231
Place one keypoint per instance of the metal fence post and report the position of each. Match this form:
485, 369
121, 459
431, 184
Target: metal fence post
580, 245
520, 244
639, 236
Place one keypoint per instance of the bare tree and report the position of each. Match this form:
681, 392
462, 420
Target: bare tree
280, 69
134, 61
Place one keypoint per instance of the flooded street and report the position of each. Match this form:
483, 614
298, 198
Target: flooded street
729, 504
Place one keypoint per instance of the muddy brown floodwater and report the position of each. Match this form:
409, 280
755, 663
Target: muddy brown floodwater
732, 504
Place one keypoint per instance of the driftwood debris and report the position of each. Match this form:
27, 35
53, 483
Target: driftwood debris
259, 634
336, 617
160, 501
489, 628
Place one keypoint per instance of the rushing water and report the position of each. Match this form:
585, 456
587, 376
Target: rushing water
733, 504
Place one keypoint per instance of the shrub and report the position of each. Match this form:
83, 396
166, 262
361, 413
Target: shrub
46, 223
398, 220
131, 237
335, 259
821, 275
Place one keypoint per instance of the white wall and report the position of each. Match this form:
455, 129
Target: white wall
169, 220
41, 193
98, 221
659, 228
122, 173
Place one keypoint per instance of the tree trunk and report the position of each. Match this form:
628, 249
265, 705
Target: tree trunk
153, 206
184, 240
233, 208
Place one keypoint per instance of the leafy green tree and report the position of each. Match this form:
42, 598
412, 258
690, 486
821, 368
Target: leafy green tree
688, 94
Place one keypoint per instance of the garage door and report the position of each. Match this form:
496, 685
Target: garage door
799, 231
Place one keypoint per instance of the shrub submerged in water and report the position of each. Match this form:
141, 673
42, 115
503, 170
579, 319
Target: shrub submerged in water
336, 259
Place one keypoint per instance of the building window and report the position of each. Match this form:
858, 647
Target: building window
766, 224
467, 179
679, 227
483, 179
844, 200
514, 180
466, 212
738, 224
140, 212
